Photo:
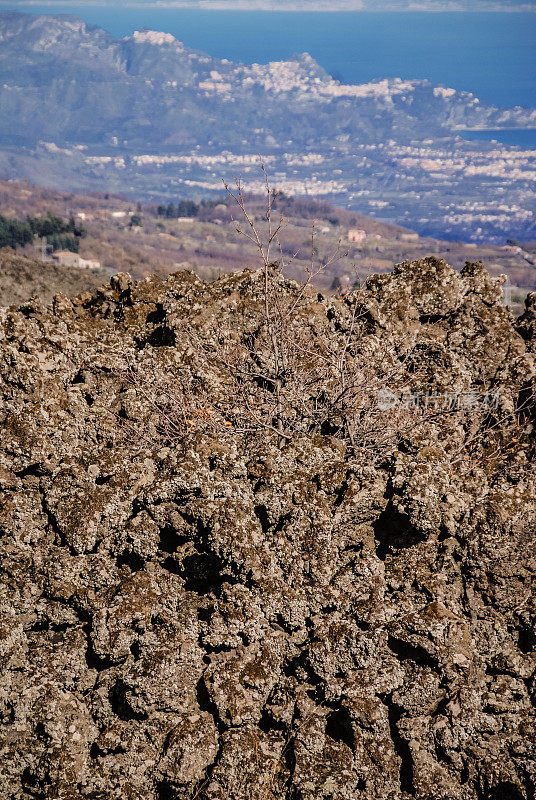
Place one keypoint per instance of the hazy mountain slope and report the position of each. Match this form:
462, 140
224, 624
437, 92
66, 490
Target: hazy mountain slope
80, 109
150, 89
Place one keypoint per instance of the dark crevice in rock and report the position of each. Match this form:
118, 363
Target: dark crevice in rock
401, 746
135, 649
441, 753
526, 639
205, 614
173, 566
281, 522
430, 319
7, 713
40, 732
339, 727
160, 337
300, 668
504, 791
36, 470
289, 760
261, 512
131, 560
491, 670
202, 572
30, 784
258, 485
120, 705
168, 741
221, 648
267, 723
341, 491
206, 703
47, 625
441, 707
55, 528
393, 532
329, 609
465, 578
96, 752
328, 428
202, 783
156, 317
170, 540
78, 378
405, 651
165, 791
422, 589
280, 620
530, 786
525, 403
94, 661
353, 548
95, 548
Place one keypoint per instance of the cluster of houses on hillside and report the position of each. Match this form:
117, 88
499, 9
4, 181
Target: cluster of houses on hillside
357, 236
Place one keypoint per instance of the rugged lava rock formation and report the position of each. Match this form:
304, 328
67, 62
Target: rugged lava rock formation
220, 618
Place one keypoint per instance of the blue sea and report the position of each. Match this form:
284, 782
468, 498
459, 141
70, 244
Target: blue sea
492, 55
524, 137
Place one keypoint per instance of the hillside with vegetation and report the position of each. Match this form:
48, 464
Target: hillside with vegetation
59, 234
201, 235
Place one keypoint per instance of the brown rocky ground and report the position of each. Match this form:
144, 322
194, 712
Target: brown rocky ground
219, 614
22, 278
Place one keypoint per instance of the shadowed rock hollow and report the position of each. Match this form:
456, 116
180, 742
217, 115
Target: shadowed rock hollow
224, 615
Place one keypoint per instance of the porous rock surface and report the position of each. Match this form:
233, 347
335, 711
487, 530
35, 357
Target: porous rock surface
292, 622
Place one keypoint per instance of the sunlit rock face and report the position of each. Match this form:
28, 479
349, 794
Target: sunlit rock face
221, 616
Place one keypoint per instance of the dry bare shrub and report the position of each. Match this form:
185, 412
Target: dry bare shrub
286, 377
301, 372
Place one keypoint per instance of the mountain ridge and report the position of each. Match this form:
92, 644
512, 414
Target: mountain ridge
145, 111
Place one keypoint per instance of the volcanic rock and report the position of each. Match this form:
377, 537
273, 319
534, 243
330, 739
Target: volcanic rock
219, 614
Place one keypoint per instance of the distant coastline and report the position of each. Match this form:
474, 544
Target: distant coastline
355, 47
296, 6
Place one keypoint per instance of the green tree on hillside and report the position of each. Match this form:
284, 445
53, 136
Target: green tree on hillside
14, 233
61, 234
